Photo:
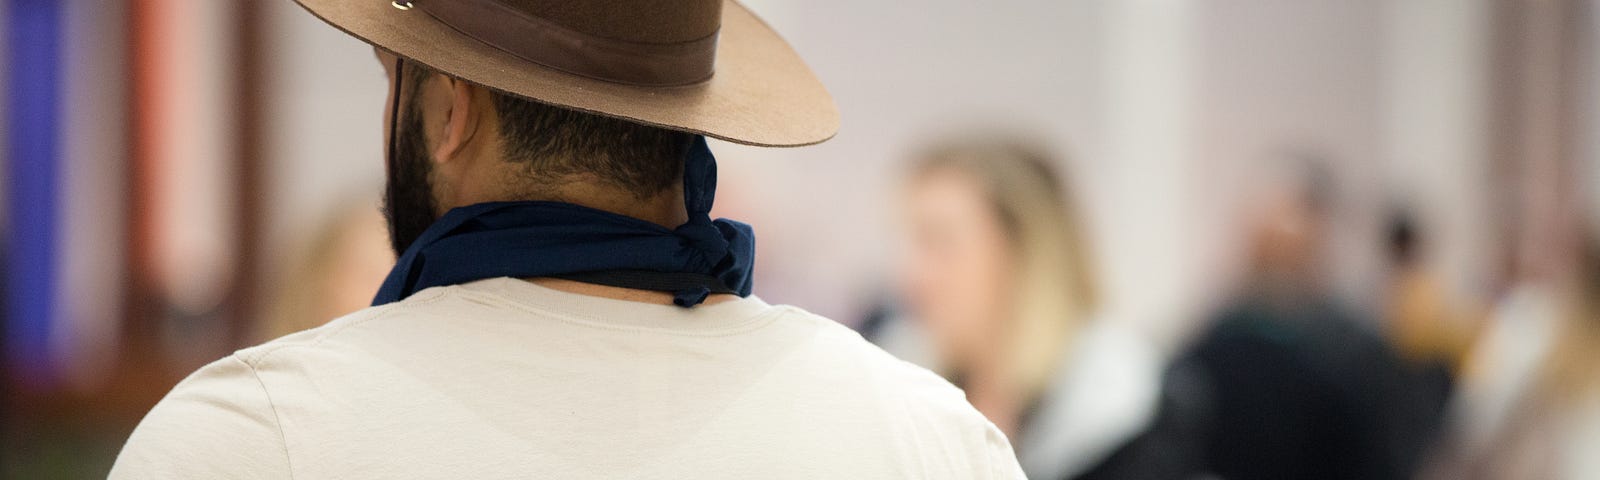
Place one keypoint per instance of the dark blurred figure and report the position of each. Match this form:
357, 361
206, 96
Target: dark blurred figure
999, 281
1423, 324
1300, 388
1429, 331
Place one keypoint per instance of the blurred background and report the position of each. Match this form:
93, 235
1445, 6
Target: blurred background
1151, 239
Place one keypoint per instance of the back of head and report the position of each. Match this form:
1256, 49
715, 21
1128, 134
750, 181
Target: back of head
560, 145
1405, 240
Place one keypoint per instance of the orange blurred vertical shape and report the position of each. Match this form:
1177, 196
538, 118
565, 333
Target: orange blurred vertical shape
193, 175
149, 21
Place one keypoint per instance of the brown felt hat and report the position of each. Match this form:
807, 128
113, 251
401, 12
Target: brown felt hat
702, 66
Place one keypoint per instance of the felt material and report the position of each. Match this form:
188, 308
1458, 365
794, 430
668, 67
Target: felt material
761, 93
551, 44
646, 21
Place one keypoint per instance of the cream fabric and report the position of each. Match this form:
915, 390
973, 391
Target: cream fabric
505, 379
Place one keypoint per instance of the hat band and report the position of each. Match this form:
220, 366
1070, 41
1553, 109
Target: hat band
549, 44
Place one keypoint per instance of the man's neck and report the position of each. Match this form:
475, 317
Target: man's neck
665, 208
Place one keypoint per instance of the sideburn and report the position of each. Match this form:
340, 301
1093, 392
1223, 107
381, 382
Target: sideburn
408, 203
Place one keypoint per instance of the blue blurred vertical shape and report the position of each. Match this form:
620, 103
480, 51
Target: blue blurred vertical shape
33, 110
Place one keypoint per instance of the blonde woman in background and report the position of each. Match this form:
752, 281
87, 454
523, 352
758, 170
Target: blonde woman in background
999, 275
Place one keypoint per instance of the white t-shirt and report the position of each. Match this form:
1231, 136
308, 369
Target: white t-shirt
502, 378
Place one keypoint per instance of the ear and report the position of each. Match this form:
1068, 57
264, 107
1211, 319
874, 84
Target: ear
462, 120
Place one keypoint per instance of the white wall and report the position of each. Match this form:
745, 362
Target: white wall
1436, 129
1281, 78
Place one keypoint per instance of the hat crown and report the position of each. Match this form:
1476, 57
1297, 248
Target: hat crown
642, 21
709, 67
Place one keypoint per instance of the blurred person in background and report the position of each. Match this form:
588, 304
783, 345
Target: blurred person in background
338, 272
1426, 326
1529, 401
999, 276
1301, 388
1430, 331
563, 304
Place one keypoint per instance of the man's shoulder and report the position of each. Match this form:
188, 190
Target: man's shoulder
221, 421
888, 372
327, 335
217, 423
919, 393
925, 410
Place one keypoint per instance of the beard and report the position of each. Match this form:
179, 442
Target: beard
408, 203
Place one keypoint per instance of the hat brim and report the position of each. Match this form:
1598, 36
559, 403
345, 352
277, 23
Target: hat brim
761, 93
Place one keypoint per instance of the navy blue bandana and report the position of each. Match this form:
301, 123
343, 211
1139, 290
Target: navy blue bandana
552, 239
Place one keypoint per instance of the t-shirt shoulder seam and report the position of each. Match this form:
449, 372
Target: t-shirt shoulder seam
813, 318
277, 419
255, 356
746, 325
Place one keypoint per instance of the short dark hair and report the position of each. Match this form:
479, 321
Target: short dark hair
557, 143
1404, 238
